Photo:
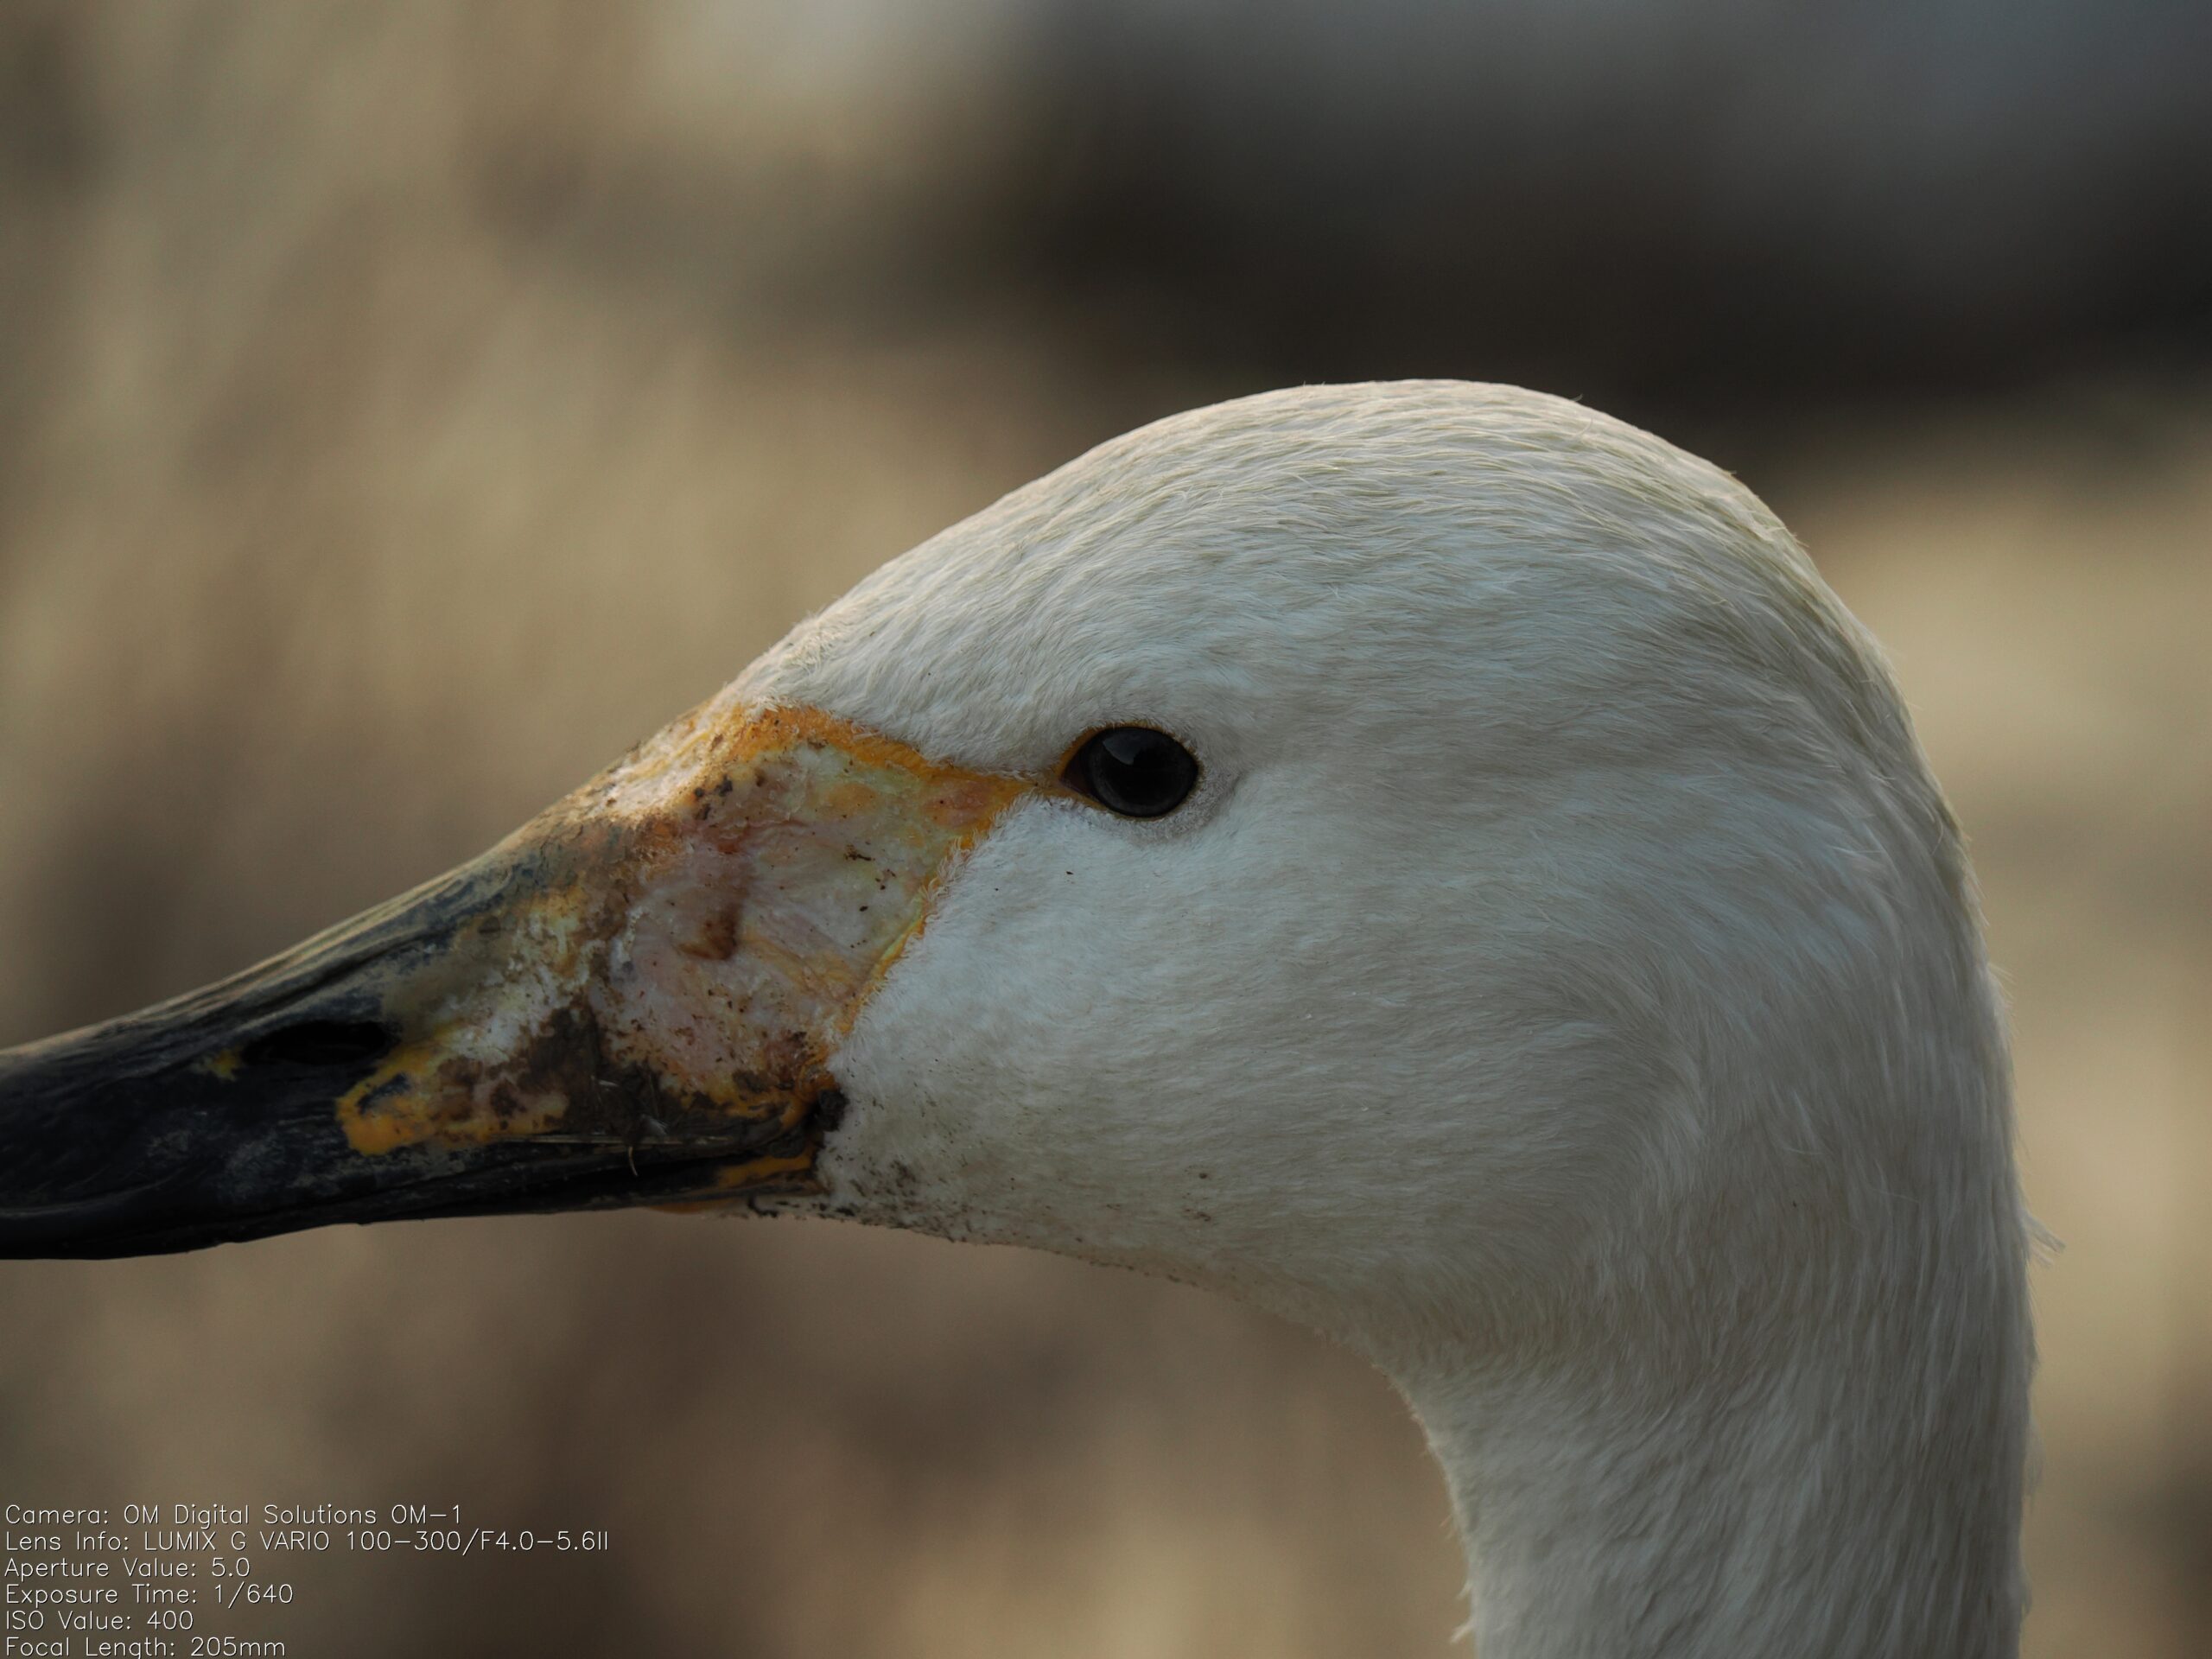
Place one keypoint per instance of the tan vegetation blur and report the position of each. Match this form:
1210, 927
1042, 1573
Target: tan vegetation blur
402, 410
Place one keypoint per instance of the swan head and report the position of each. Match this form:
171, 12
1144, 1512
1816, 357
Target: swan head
1539, 952
1563, 904
1560, 886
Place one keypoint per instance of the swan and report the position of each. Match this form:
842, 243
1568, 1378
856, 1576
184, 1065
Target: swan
1426, 859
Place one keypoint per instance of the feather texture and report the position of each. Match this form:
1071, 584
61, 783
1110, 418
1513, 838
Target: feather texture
1566, 986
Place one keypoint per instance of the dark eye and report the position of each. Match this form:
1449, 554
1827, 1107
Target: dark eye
1133, 770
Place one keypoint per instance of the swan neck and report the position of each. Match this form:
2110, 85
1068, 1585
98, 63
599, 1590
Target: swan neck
1792, 1515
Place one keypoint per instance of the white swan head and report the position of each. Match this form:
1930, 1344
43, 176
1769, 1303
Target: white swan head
1563, 875
1563, 982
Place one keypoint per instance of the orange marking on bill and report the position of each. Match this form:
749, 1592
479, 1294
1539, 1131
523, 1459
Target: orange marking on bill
687, 938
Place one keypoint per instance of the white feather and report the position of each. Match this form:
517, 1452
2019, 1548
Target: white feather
1566, 987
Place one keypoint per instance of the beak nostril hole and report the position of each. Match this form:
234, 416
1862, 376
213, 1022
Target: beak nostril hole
318, 1042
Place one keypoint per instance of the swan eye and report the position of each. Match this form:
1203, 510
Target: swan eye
1134, 771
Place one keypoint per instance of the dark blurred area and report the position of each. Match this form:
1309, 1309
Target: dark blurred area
1696, 208
404, 406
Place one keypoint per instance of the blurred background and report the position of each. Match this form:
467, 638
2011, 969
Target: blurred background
405, 406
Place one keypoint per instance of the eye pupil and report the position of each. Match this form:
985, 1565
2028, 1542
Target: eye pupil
1135, 771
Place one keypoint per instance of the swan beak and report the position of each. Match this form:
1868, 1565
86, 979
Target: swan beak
635, 999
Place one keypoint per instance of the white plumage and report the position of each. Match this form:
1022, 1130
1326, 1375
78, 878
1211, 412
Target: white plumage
1563, 986
1566, 987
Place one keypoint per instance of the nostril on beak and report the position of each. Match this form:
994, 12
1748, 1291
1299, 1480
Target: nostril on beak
318, 1042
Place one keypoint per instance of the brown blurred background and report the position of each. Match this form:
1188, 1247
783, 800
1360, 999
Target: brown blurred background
403, 406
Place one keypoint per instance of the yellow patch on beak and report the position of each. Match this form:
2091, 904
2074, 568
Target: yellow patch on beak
677, 948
